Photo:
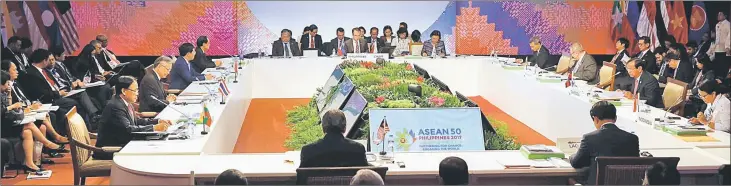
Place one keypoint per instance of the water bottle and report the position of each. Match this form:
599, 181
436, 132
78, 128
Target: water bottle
335, 52
261, 53
390, 143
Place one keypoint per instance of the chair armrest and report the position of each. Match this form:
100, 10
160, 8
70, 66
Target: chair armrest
174, 91
111, 149
92, 135
148, 114
86, 146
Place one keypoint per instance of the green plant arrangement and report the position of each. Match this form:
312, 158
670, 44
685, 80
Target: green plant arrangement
384, 85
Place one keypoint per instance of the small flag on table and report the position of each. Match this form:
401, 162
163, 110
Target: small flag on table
570, 78
224, 87
206, 116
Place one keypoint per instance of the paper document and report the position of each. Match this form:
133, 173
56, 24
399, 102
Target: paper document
190, 97
611, 95
47, 108
74, 92
28, 119
95, 84
542, 163
40, 175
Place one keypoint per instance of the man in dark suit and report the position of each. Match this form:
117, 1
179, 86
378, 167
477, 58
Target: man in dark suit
101, 94
12, 52
357, 44
679, 63
374, 43
541, 55
643, 43
644, 84
621, 79
607, 140
151, 86
182, 73
119, 119
705, 44
285, 46
312, 40
333, 150
339, 42
201, 62
109, 61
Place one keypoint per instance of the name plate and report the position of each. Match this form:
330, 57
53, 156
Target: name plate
568, 145
367, 56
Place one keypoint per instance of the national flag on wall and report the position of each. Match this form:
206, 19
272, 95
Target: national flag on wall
206, 116
698, 21
67, 25
16, 23
646, 24
678, 23
621, 27
664, 12
36, 24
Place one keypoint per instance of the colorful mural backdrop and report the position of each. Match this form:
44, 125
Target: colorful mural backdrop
147, 28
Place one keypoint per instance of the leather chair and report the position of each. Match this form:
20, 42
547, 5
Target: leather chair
606, 76
631, 170
564, 63
333, 175
415, 48
81, 149
674, 95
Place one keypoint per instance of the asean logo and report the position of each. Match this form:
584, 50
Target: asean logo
697, 18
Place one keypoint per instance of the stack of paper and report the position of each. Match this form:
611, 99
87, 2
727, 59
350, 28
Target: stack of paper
89, 85
685, 130
540, 152
515, 163
40, 175
47, 108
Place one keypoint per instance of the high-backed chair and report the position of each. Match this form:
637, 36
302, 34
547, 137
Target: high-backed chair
606, 76
673, 97
631, 170
332, 175
81, 149
415, 48
564, 63
724, 173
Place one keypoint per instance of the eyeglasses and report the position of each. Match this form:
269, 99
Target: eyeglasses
703, 96
133, 90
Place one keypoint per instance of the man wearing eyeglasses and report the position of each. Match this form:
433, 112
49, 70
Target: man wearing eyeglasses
151, 86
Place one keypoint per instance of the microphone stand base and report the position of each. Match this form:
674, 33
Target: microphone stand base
204, 132
236, 81
222, 102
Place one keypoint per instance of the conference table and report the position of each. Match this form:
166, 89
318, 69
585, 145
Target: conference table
547, 108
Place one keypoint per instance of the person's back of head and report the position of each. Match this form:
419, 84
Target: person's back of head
366, 177
231, 177
661, 174
454, 171
333, 122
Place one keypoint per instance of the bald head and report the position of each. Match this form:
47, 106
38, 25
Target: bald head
576, 50
366, 177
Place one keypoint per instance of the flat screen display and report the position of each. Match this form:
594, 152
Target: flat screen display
338, 97
352, 109
333, 81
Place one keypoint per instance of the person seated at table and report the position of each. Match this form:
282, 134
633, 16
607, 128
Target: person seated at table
374, 43
401, 43
607, 140
333, 150
718, 110
646, 56
621, 79
312, 40
357, 44
182, 73
231, 177
366, 177
695, 103
119, 119
584, 67
285, 46
151, 86
541, 55
435, 47
644, 84
454, 171
201, 62
68, 83
387, 37
11, 126
680, 64
662, 57
101, 94
339, 42
660, 174
305, 31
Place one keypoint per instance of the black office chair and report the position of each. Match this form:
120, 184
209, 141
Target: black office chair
333, 175
327, 48
631, 170
724, 174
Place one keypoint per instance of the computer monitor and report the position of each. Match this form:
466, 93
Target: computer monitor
353, 109
339, 96
467, 101
331, 82
421, 71
442, 86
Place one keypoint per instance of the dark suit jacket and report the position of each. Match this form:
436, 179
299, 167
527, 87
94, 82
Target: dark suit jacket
609, 140
306, 41
34, 80
351, 49
278, 48
86, 64
379, 43
542, 58
693, 85
684, 72
151, 86
621, 69
334, 43
183, 74
649, 89
117, 125
65, 74
333, 150
9, 55
703, 47
649, 59
201, 61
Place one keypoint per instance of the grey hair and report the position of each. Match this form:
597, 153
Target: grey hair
535, 40
366, 177
333, 122
161, 59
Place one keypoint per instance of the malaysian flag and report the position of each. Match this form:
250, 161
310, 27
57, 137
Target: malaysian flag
67, 25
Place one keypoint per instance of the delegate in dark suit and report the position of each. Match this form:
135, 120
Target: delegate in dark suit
648, 58
350, 47
151, 86
684, 71
379, 43
609, 140
337, 43
183, 75
131, 68
542, 58
100, 94
587, 69
117, 125
622, 79
20, 60
279, 50
306, 42
649, 89
201, 62
42, 91
333, 150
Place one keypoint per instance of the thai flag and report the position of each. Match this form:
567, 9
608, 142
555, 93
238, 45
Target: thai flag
222, 85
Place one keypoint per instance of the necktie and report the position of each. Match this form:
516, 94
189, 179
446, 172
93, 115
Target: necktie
312, 42
637, 84
698, 79
286, 49
20, 95
131, 113
357, 46
50, 81
634, 94
615, 58
340, 48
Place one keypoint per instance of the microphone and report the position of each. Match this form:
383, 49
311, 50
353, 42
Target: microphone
190, 119
224, 51
167, 105
678, 101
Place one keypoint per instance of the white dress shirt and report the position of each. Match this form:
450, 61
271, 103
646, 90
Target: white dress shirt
402, 45
98, 66
54, 88
578, 63
720, 113
723, 37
